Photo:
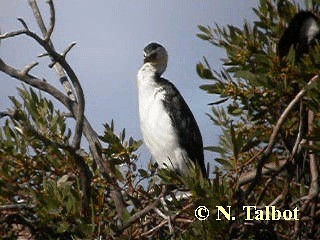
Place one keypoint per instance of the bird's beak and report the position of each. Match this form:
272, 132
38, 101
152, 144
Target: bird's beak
147, 58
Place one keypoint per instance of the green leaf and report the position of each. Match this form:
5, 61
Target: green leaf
218, 101
143, 173
204, 29
63, 227
203, 36
217, 149
225, 163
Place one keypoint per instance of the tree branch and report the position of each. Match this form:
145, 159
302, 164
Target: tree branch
52, 21
23, 24
275, 132
28, 68
37, 83
18, 206
62, 76
267, 169
139, 214
77, 108
314, 186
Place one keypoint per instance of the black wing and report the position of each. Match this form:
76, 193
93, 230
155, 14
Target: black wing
184, 122
297, 34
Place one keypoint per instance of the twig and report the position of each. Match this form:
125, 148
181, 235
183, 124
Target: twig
27, 68
48, 46
300, 132
52, 21
37, 83
154, 228
161, 214
314, 187
281, 196
23, 23
63, 78
43, 55
139, 214
36, 12
265, 188
268, 168
17, 206
143, 212
68, 49
12, 34
67, 114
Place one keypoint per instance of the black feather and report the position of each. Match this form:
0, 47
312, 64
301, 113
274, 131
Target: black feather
296, 35
151, 47
184, 123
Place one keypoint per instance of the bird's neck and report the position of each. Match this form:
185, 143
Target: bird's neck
148, 74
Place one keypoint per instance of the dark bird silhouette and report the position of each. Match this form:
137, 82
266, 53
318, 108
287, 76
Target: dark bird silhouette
301, 34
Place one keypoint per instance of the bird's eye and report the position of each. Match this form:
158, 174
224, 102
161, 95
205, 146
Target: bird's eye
153, 54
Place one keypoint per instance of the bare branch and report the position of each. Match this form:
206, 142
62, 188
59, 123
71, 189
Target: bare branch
267, 169
12, 34
275, 132
300, 134
77, 110
18, 206
23, 24
52, 21
37, 83
79, 116
68, 49
314, 186
27, 68
67, 114
57, 58
139, 214
63, 78
43, 55
36, 12
154, 228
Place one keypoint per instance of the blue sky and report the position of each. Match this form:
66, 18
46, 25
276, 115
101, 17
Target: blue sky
110, 37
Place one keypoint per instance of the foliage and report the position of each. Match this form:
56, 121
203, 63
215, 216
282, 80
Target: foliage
52, 189
255, 86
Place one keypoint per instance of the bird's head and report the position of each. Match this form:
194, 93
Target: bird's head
157, 56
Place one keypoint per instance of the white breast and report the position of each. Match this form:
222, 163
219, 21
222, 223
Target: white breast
310, 28
156, 127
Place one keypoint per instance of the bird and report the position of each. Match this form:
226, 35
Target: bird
301, 33
168, 126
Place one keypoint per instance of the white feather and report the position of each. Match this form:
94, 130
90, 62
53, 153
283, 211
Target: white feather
156, 126
310, 28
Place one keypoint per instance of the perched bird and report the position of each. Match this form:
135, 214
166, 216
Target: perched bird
302, 32
168, 126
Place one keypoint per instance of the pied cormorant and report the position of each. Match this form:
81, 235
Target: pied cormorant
168, 126
302, 32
